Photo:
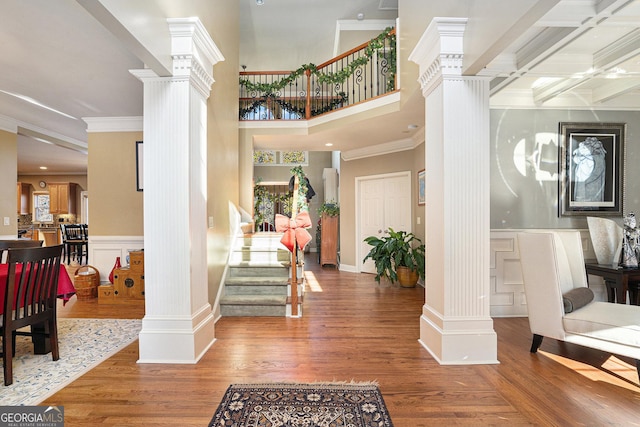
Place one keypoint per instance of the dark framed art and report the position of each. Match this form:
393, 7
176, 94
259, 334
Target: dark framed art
139, 164
421, 192
591, 169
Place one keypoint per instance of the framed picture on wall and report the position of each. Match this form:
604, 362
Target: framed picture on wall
591, 169
421, 192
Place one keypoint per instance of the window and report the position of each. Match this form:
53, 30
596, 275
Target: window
41, 207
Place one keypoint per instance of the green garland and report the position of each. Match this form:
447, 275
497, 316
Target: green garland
290, 107
302, 188
337, 77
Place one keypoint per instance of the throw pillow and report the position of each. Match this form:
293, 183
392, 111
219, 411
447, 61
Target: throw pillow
576, 298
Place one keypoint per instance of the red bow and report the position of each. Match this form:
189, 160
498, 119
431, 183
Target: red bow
294, 230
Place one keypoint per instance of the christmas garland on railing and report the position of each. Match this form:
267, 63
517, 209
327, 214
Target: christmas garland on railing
337, 77
290, 107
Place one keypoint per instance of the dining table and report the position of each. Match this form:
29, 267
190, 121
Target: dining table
66, 290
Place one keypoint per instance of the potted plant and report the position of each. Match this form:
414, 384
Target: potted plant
398, 257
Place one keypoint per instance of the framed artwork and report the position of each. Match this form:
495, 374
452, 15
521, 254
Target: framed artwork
591, 169
421, 192
139, 164
264, 157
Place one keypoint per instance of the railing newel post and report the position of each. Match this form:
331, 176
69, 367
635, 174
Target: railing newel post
307, 109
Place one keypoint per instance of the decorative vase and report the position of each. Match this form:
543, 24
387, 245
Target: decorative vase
116, 265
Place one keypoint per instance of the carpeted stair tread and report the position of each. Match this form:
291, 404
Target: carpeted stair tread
256, 281
261, 264
254, 300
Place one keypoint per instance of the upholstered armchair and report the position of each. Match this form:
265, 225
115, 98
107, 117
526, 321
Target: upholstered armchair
556, 290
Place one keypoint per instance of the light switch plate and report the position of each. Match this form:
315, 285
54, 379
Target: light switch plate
6, 220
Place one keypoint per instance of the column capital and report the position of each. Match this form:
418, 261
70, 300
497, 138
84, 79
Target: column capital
440, 51
193, 52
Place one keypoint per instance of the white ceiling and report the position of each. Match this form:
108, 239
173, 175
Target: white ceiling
57, 55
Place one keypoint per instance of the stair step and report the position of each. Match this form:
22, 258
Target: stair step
258, 269
258, 255
256, 285
253, 305
261, 240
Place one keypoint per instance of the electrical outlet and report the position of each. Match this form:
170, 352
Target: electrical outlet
418, 220
6, 220
210, 222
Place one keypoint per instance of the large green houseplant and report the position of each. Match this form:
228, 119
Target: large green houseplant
396, 255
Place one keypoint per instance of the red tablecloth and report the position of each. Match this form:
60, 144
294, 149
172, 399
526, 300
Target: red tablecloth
65, 286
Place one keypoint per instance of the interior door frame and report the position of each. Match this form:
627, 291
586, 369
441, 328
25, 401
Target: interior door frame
358, 182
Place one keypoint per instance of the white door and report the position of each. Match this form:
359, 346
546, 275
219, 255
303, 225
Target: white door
382, 201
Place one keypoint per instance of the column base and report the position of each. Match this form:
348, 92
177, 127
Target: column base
466, 341
173, 340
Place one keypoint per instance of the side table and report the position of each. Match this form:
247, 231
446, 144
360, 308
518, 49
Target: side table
617, 280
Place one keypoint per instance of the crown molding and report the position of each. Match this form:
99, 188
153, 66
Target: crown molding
114, 124
381, 149
8, 124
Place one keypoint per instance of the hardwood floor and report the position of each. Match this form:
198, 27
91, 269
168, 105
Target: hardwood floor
353, 329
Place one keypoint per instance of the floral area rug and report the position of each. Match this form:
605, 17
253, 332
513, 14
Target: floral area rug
84, 343
303, 405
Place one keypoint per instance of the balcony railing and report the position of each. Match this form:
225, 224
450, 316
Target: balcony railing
363, 73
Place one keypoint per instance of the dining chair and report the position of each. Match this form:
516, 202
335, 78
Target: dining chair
17, 243
75, 242
30, 300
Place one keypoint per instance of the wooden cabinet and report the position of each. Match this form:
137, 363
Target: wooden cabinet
329, 240
128, 283
62, 197
24, 198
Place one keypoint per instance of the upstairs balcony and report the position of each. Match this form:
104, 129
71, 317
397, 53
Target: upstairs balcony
365, 72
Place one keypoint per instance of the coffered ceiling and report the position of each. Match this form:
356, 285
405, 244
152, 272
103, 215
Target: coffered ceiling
60, 65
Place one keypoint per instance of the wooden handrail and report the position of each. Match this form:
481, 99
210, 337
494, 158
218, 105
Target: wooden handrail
349, 52
287, 88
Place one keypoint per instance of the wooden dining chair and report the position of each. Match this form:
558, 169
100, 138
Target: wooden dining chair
17, 243
30, 300
75, 242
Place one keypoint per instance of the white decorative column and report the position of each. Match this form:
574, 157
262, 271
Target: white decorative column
455, 326
178, 326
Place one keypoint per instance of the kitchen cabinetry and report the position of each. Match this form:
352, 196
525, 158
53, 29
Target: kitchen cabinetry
62, 197
329, 240
24, 198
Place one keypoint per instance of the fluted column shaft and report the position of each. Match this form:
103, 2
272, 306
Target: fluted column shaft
178, 326
455, 326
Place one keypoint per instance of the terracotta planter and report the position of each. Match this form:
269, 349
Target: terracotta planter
406, 277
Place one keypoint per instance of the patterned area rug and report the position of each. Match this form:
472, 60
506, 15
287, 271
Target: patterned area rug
84, 343
303, 405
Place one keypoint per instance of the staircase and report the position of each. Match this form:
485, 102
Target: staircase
257, 281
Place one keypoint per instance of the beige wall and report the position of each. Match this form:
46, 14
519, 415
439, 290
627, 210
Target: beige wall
402, 161
115, 206
8, 179
223, 182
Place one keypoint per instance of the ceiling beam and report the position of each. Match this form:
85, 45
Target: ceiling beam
614, 89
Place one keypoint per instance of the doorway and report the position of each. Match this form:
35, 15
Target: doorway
382, 202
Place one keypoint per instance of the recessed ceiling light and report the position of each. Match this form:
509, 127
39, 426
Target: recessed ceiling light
412, 127
360, 16
259, 2
43, 168
328, 144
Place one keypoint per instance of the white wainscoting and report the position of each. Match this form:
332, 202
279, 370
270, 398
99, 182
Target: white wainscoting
103, 251
507, 290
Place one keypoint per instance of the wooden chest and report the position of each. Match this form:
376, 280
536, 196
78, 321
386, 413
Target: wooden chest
127, 288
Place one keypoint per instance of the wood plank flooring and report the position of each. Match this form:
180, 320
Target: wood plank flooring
353, 329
